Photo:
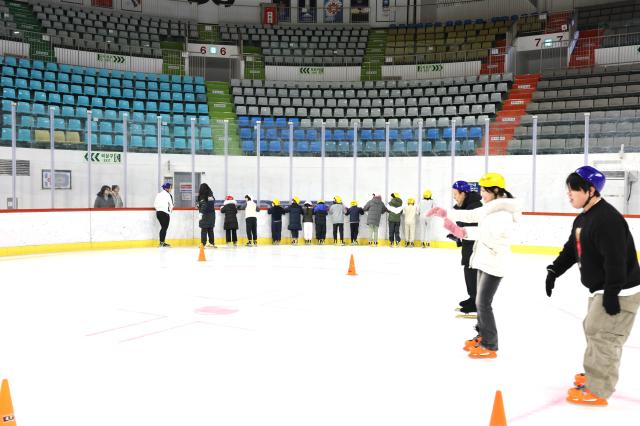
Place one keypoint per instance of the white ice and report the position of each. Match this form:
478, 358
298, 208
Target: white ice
287, 338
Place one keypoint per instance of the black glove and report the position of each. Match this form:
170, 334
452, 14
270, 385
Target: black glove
551, 281
611, 303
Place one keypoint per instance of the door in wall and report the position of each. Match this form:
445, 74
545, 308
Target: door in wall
185, 193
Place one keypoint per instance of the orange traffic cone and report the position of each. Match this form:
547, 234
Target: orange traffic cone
498, 417
6, 406
352, 267
201, 257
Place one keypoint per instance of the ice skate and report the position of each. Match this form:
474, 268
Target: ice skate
582, 395
470, 344
480, 352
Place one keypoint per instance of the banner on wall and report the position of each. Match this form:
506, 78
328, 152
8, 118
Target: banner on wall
618, 55
422, 71
333, 10
312, 73
108, 60
359, 10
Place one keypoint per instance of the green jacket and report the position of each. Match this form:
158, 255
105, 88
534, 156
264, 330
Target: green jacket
395, 210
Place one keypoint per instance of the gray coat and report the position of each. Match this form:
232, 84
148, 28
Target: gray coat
375, 208
336, 213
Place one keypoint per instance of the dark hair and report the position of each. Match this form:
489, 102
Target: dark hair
104, 188
113, 187
498, 192
204, 192
576, 183
247, 197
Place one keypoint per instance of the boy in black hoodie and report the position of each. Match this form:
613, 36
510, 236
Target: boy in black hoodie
602, 246
467, 200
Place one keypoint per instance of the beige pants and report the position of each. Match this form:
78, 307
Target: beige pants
606, 334
410, 231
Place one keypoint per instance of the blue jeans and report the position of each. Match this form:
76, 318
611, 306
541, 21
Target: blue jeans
487, 287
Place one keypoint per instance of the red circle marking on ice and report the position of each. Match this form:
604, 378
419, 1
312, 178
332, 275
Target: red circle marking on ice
215, 310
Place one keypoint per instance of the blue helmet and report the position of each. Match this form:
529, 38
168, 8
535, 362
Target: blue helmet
461, 186
166, 185
593, 176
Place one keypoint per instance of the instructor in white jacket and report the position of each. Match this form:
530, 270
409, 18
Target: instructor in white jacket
496, 223
164, 206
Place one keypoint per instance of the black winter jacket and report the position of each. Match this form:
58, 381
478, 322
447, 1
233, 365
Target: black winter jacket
602, 246
295, 216
354, 214
471, 202
276, 213
208, 212
230, 211
307, 214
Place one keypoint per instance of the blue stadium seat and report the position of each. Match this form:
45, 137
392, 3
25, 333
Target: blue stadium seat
164, 107
81, 112
98, 113
245, 133
8, 71
89, 80
203, 109
339, 135
76, 89
106, 140
74, 125
412, 147
127, 93
24, 95
152, 106
177, 109
406, 134
243, 121
150, 142
398, 148
110, 114
115, 93
90, 91
378, 134
189, 108
141, 95
468, 146
63, 78
302, 147
475, 133
248, 146
21, 83
82, 101
140, 84
298, 135
26, 121
179, 131
344, 147
76, 79
68, 111
189, 97
427, 147
150, 129
22, 73
175, 87
106, 127
315, 147
136, 141
24, 135
127, 84
8, 93
440, 147
203, 120
43, 123
330, 147
152, 86
6, 82
433, 134
461, 132
51, 66
68, 100
38, 109
118, 140
275, 146
97, 103
35, 85
366, 135
6, 134
124, 104
205, 132
37, 64
165, 96
188, 88
165, 87
201, 89
328, 135
180, 143
312, 135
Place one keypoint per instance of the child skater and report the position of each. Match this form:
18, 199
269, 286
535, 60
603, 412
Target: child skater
276, 213
320, 212
409, 213
426, 204
354, 213
337, 211
307, 222
295, 219
496, 223
602, 246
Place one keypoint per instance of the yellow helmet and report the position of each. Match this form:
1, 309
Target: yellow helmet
411, 201
395, 195
276, 202
354, 203
296, 200
337, 199
427, 193
320, 201
492, 179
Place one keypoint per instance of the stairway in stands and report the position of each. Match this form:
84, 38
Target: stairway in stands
583, 54
220, 109
494, 63
27, 22
508, 118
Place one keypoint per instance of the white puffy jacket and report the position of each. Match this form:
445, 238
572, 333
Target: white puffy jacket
163, 202
496, 225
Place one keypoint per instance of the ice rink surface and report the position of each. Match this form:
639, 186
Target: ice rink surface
280, 335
